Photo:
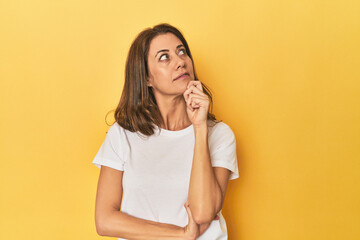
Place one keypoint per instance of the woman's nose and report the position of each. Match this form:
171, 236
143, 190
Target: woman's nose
180, 62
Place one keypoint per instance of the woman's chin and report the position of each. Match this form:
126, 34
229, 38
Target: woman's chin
184, 86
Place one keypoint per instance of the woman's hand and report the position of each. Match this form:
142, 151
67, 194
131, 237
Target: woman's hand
191, 230
194, 230
197, 103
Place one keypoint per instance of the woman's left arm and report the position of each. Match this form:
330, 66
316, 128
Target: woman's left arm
207, 184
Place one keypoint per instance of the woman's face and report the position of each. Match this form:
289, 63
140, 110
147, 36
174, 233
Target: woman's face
167, 59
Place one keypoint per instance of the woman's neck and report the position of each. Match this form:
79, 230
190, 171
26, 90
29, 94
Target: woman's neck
173, 112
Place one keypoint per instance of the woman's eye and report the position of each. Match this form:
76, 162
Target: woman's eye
162, 56
166, 55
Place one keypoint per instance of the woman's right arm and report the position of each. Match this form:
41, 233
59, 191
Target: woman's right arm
111, 222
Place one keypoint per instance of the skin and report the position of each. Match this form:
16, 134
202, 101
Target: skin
181, 103
164, 67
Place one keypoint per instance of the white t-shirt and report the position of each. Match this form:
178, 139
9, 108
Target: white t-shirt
157, 171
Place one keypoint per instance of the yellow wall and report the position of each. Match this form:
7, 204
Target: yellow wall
285, 76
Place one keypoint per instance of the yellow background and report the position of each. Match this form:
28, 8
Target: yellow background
285, 75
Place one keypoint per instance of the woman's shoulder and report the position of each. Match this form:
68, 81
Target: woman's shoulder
116, 129
216, 127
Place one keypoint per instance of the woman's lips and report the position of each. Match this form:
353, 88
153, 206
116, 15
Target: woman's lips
183, 76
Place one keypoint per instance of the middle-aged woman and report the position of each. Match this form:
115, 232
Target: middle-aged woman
166, 161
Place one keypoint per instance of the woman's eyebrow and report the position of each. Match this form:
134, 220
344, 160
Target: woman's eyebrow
166, 50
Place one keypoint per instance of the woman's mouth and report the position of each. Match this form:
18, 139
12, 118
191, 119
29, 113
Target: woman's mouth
185, 75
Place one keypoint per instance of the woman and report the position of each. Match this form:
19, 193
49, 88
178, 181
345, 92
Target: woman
166, 160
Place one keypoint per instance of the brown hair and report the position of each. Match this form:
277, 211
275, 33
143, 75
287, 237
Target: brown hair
137, 109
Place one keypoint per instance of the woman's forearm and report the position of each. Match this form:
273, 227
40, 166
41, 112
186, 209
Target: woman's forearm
205, 196
122, 225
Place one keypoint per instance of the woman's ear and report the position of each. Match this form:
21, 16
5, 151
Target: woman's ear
148, 83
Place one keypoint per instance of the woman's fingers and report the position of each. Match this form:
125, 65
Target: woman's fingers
195, 97
195, 101
188, 212
186, 205
192, 228
193, 104
193, 89
196, 83
201, 228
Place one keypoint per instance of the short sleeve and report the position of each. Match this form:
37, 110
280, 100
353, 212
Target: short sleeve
110, 152
222, 147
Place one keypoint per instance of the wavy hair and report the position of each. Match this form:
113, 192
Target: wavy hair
137, 109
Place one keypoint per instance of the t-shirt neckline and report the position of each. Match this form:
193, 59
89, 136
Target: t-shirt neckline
177, 132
